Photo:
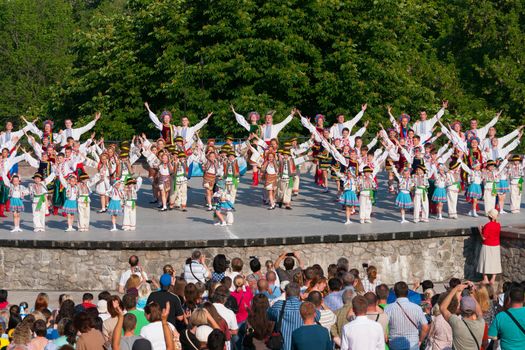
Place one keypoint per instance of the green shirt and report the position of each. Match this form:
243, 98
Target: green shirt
141, 320
510, 336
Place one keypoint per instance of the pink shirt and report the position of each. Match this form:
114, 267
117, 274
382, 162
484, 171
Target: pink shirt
244, 300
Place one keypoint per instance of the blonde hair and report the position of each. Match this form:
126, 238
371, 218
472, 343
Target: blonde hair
22, 334
198, 318
482, 296
428, 293
133, 282
144, 290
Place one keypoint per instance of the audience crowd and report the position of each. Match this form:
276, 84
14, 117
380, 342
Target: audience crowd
278, 305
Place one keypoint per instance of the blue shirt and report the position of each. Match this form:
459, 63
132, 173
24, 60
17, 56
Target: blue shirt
503, 327
291, 318
334, 300
276, 293
313, 337
402, 333
414, 297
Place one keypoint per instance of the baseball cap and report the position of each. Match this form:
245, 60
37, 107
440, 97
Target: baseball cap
165, 280
468, 304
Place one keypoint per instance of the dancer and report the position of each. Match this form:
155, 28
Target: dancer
180, 191
270, 170
515, 174
406, 184
211, 170
131, 188
224, 208
348, 199
17, 192
421, 184
453, 186
287, 170
439, 196
475, 178
70, 204
38, 191
367, 189
336, 130
84, 207
116, 196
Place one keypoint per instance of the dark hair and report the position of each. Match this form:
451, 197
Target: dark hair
237, 264
382, 291
97, 322
130, 322
154, 311
87, 296
359, 305
516, 295
315, 298
289, 263
220, 263
67, 310
40, 328
335, 284
227, 282
401, 289
427, 284
41, 302
371, 298
133, 260
70, 331
191, 295
221, 294
216, 340
454, 282
292, 290
343, 263
83, 323
129, 301
331, 270
111, 308
14, 317
255, 265
3, 295
196, 255
258, 317
105, 295
309, 273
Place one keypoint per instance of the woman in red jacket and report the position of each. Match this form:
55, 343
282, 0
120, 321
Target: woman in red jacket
490, 257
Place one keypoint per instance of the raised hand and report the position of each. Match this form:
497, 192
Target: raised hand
97, 116
209, 115
363, 106
165, 312
445, 104
146, 105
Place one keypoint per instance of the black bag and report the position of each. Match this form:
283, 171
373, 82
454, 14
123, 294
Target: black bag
276, 340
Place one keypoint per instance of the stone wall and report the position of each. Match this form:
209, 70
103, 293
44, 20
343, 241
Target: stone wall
513, 259
68, 269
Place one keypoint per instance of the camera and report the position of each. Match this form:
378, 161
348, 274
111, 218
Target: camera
254, 257
227, 262
188, 261
290, 254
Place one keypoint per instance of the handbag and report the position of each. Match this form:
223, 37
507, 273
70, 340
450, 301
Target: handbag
276, 339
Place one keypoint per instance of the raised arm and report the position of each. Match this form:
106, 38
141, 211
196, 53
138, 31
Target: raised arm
392, 118
506, 139
279, 126
199, 125
439, 114
241, 120
482, 133
511, 146
352, 122
87, 127
153, 117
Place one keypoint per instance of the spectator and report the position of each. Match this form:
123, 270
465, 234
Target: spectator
176, 315
102, 308
375, 313
289, 271
90, 338
362, 333
371, 281
221, 322
258, 326
481, 294
256, 275
158, 321
126, 324
310, 336
333, 300
67, 335
291, 319
216, 340
327, 317
343, 264
134, 269
87, 303
231, 302
14, 317
342, 315
408, 325
490, 257
467, 330
192, 297
21, 337
41, 302
382, 295
244, 297
440, 333
143, 295
274, 289
40, 341
3, 299
508, 326
195, 269
109, 325
104, 295
220, 265
130, 304
220, 296
67, 310
236, 269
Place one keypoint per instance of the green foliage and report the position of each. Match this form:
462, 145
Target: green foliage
329, 56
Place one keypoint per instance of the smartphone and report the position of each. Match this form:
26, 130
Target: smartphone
290, 254
365, 266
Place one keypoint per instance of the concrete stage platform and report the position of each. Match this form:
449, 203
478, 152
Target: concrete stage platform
316, 218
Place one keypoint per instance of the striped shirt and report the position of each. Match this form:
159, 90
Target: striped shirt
403, 334
291, 318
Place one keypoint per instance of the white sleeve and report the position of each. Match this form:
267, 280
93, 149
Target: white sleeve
505, 139
79, 131
352, 122
155, 119
482, 133
436, 118
509, 148
31, 161
197, 127
372, 143
278, 127
242, 121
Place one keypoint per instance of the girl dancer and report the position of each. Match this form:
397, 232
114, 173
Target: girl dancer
130, 203
116, 195
474, 188
348, 199
270, 169
70, 206
38, 191
16, 193
406, 184
515, 174
421, 194
440, 193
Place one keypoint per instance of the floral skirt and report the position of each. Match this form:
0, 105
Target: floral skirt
114, 207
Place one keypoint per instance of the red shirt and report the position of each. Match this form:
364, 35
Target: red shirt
491, 232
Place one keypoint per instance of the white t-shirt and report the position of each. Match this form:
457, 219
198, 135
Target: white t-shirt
127, 274
228, 315
200, 273
362, 334
153, 332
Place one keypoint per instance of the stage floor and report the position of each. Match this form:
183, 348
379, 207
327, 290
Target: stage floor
315, 214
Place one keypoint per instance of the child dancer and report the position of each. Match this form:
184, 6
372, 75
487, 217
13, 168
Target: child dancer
406, 183
348, 199
84, 206
16, 193
181, 182
367, 188
440, 193
224, 208
502, 185
231, 174
474, 188
421, 194
515, 174
38, 191
70, 207
270, 169
287, 171
116, 195
210, 169
131, 188
453, 185
165, 171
